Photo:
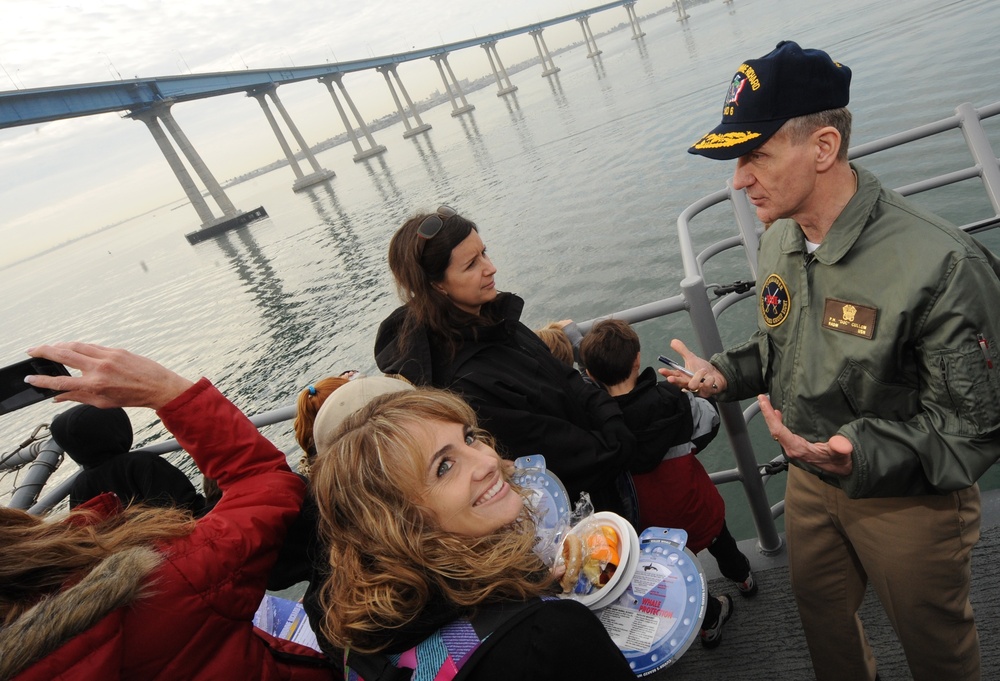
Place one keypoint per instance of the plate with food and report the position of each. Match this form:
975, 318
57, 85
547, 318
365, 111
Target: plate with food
600, 553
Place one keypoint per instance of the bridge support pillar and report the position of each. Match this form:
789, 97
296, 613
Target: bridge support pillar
682, 14
548, 66
302, 180
360, 153
633, 20
504, 86
420, 125
210, 225
453, 87
588, 36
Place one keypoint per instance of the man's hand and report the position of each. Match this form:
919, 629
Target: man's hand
111, 377
832, 456
706, 381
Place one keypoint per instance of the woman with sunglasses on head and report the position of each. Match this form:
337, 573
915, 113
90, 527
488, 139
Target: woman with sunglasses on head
432, 566
456, 331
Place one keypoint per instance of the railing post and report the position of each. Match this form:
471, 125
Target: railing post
705, 327
746, 223
982, 152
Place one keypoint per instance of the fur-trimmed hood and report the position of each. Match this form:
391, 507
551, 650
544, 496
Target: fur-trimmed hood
117, 581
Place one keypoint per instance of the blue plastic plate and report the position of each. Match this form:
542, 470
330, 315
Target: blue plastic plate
660, 614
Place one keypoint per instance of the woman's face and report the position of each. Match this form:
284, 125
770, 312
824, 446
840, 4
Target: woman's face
464, 484
468, 281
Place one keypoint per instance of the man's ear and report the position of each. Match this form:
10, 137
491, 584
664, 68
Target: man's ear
827, 140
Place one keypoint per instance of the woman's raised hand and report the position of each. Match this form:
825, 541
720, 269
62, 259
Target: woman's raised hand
111, 377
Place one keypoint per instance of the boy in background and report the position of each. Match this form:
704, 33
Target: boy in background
677, 492
555, 338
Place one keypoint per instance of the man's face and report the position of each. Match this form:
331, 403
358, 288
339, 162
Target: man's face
779, 177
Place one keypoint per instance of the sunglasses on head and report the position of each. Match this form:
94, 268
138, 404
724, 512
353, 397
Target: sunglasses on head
432, 224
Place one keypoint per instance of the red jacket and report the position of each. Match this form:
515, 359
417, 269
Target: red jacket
194, 621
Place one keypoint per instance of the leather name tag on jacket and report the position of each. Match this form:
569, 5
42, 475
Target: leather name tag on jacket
852, 318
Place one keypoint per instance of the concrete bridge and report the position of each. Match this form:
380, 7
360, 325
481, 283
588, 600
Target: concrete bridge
150, 99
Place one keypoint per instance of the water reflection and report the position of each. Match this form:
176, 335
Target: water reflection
343, 238
689, 43
429, 158
599, 67
640, 42
393, 194
510, 101
287, 330
523, 131
475, 139
557, 91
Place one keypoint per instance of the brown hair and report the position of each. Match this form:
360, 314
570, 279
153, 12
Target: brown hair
389, 560
609, 351
557, 341
40, 556
417, 263
308, 404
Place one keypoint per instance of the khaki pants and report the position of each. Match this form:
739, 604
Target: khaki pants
916, 551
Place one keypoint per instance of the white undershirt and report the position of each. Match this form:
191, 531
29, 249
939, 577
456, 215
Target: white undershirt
810, 246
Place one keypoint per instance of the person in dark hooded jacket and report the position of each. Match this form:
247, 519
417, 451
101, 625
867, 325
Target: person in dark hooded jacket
98, 440
456, 331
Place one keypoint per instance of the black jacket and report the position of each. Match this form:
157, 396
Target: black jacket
555, 639
527, 399
99, 441
662, 417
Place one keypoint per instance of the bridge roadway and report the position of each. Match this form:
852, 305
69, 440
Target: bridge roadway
149, 100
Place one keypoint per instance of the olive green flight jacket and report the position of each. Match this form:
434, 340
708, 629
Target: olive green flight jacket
888, 334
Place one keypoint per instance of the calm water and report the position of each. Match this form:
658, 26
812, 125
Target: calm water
576, 183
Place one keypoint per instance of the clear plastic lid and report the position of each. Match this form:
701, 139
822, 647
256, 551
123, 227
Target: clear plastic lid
549, 500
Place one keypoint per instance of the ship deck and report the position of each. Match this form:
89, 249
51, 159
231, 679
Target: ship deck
764, 640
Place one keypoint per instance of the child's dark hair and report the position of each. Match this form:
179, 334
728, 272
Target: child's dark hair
609, 351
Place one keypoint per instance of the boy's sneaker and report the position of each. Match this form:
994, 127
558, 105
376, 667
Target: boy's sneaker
711, 637
748, 587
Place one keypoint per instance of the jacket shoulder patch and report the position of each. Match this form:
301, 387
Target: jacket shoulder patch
775, 301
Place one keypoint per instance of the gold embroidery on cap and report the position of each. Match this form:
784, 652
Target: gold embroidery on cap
729, 139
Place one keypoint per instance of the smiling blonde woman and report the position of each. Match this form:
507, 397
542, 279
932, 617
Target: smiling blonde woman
431, 551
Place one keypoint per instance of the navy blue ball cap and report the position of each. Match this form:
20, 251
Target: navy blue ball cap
786, 83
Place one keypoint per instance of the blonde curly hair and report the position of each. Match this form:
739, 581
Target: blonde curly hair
388, 556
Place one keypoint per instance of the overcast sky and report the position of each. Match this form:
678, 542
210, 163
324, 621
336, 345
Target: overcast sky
63, 178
